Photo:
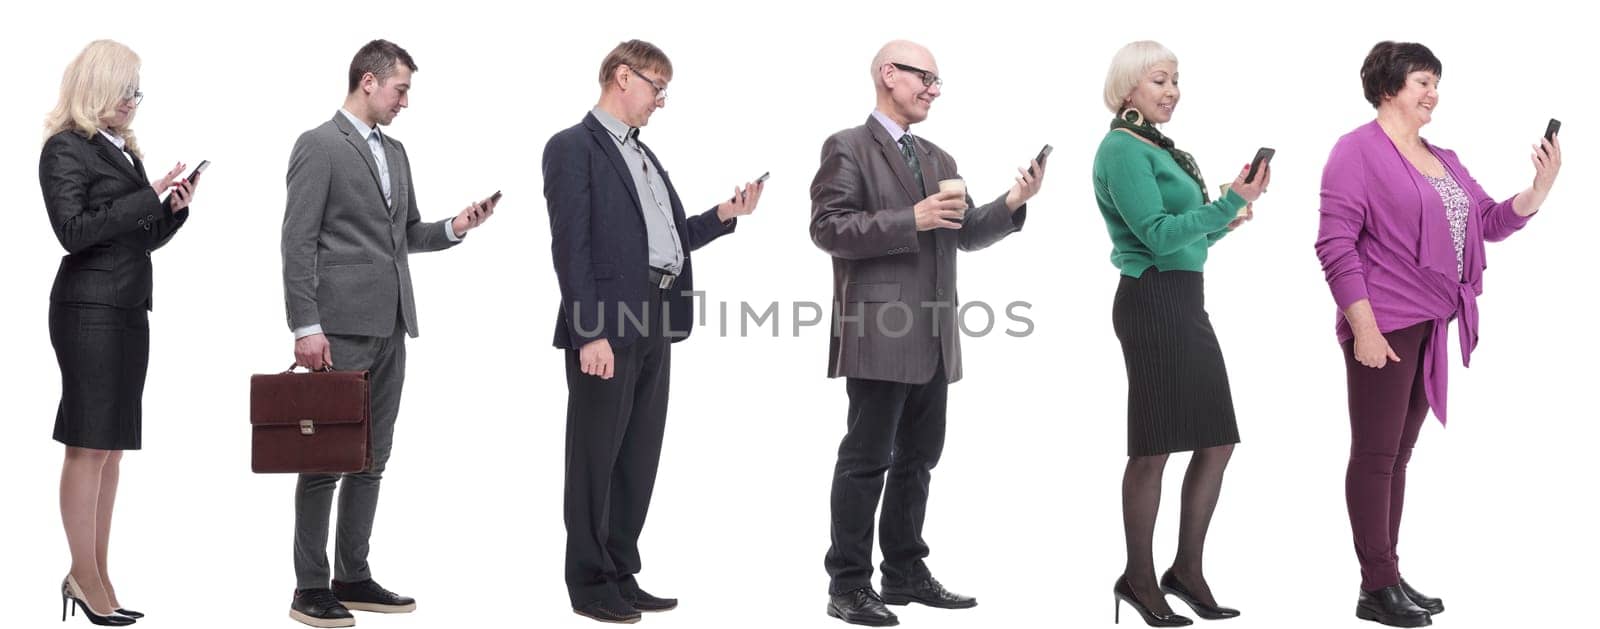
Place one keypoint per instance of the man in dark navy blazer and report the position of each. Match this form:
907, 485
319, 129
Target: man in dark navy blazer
621, 244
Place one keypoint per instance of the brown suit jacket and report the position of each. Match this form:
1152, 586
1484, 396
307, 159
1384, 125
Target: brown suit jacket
894, 288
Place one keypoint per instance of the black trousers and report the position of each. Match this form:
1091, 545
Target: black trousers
614, 430
898, 429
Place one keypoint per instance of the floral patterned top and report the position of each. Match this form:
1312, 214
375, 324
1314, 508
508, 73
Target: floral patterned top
1456, 206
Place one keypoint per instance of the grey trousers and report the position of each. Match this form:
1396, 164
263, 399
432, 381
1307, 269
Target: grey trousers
385, 358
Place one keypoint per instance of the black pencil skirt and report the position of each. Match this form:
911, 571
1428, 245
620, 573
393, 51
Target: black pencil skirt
103, 352
1178, 397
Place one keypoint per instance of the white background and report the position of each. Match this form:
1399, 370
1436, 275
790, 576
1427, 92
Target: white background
1025, 509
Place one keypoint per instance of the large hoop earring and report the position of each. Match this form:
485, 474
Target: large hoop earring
1132, 116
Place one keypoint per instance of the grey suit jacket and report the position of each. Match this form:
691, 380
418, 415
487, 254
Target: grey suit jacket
894, 288
344, 250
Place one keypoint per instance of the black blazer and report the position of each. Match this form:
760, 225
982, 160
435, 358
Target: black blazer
107, 218
598, 238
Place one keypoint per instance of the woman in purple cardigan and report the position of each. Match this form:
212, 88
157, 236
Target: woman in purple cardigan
1401, 243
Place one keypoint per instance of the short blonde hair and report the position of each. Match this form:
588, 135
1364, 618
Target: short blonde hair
104, 75
1129, 67
637, 54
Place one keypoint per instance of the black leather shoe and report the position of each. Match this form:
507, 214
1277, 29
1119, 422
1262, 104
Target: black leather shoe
1435, 606
646, 602
608, 611
1123, 593
861, 606
1171, 585
130, 613
1389, 606
368, 596
318, 607
928, 592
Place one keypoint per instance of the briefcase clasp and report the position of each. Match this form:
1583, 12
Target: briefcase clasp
307, 428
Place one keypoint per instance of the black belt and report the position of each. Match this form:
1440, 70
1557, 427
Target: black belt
662, 280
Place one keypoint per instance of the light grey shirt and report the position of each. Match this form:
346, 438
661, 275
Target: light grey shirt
666, 252
374, 140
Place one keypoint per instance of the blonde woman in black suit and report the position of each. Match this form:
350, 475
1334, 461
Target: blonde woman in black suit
108, 216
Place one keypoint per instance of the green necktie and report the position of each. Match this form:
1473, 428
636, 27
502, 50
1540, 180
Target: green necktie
908, 150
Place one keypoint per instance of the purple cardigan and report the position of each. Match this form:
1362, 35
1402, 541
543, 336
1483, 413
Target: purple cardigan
1384, 237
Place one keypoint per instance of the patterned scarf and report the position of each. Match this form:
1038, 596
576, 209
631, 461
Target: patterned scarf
1135, 123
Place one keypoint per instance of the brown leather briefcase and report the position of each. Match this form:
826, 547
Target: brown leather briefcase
317, 422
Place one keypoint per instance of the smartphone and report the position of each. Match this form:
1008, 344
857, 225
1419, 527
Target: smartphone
494, 197
759, 180
1550, 130
1263, 157
193, 176
1044, 154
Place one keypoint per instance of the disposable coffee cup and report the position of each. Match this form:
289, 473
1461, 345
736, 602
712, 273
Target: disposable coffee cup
958, 185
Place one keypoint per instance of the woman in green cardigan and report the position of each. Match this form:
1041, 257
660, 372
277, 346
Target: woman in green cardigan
1162, 222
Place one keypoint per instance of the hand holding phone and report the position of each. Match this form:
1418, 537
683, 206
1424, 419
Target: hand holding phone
1253, 178
743, 201
759, 180
195, 176
1263, 157
181, 201
1550, 131
1546, 164
485, 208
1044, 154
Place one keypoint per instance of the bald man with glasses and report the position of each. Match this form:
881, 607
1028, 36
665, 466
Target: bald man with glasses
877, 209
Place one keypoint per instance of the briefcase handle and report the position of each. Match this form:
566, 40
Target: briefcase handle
325, 368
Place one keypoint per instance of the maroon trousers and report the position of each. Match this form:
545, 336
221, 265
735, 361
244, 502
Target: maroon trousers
1387, 409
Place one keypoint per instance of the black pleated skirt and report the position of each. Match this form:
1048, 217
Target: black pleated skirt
1178, 397
103, 353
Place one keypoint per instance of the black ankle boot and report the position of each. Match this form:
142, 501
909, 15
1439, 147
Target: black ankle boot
1390, 606
1433, 605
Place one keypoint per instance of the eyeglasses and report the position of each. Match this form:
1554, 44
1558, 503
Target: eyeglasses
929, 79
136, 96
661, 90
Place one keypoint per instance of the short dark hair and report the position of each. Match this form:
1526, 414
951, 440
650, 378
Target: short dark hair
1385, 70
636, 54
378, 58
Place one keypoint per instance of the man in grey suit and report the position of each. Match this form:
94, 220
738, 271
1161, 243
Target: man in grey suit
877, 209
350, 222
